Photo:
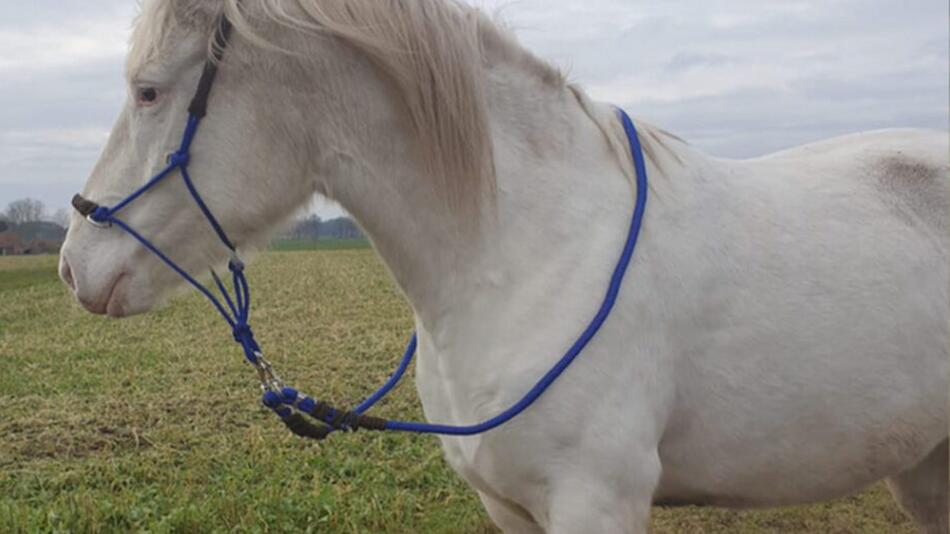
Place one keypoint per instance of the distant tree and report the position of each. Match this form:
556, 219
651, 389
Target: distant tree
340, 228
61, 217
307, 228
312, 228
4, 226
25, 210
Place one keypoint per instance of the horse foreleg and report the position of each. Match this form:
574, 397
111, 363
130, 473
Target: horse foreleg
581, 504
922, 491
508, 516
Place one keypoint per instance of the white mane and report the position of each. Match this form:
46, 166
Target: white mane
434, 52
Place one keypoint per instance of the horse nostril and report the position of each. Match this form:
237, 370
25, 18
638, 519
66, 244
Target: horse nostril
66, 273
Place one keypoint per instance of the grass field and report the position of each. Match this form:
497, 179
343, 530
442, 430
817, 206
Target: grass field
298, 245
151, 424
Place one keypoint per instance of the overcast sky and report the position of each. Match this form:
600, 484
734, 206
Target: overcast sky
736, 78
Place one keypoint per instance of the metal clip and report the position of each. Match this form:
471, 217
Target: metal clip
270, 381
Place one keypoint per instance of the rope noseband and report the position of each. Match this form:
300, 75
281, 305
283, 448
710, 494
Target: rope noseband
288, 403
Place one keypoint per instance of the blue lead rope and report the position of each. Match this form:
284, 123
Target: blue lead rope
288, 403
573, 352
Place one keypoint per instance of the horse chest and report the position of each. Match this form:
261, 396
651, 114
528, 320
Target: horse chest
482, 460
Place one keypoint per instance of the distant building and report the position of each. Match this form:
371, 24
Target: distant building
9, 244
42, 246
44, 230
38, 237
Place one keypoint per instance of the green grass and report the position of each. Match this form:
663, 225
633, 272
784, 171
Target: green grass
151, 423
294, 245
24, 278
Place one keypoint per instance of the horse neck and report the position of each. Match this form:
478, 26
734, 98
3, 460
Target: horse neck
562, 209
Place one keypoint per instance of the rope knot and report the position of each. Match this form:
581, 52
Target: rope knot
242, 333
100, 215
179, 158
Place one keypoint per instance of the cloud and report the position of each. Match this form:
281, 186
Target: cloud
45, 48
741, 78
688, 60
737, 78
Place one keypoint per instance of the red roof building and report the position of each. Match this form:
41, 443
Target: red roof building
40, 246
9, 244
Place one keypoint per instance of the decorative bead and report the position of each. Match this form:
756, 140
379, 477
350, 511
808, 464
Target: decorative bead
289, 395
272, 400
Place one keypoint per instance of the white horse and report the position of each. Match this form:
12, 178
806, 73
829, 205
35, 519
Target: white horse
782, 335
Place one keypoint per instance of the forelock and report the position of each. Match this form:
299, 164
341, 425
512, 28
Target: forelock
162, 22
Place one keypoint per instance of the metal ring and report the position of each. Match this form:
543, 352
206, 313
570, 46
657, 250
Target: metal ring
96, 223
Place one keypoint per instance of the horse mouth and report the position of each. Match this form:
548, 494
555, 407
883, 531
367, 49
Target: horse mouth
112, 305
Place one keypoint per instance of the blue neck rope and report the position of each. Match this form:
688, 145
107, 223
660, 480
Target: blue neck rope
287, 402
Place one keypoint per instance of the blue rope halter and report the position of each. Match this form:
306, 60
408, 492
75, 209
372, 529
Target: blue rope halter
289, 404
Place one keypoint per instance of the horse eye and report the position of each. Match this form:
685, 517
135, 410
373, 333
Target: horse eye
147, 96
